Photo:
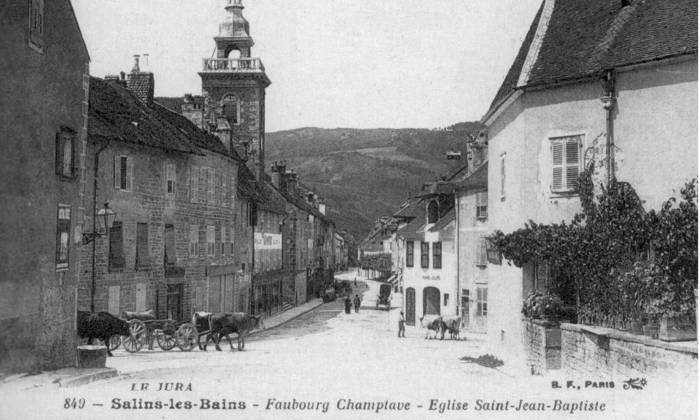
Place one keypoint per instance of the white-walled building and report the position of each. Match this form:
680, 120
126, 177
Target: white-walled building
612, 84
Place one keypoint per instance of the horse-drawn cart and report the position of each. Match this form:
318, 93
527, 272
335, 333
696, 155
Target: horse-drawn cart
145, 329
384, 297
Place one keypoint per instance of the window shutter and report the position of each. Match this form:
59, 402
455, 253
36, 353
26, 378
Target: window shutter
557, 165
116, 246
210, 185
117, 172
202, 187
194, 177
224, 192
142, 252
503, 176
130, 172
572, 162
170, 253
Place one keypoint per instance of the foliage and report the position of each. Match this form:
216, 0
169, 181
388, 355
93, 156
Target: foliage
594, 255
543, 305
379, 262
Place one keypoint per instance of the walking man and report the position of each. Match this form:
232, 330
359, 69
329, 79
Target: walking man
402, 325
356, 302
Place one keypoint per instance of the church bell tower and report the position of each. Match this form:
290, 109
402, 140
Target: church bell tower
233, 87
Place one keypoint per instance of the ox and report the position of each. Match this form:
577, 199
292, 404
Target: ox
201, 322
101, 325
452, 325
223, 324
436, 325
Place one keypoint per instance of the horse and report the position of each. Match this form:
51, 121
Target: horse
223, 324
437, 325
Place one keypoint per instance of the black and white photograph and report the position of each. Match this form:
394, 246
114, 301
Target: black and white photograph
447, 209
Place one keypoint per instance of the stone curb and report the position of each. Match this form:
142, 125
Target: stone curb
86, 378
311, 308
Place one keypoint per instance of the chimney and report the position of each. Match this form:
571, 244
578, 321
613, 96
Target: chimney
291, 182
141, 83
479, 151
279, 175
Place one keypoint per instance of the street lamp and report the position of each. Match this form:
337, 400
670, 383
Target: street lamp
106, 218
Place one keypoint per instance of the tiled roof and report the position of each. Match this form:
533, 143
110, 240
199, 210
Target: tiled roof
116, 114
585, 37
444, 221
173, 104
476, 180
409, 209
411, 230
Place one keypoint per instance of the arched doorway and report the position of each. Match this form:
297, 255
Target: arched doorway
431, 301
410, 306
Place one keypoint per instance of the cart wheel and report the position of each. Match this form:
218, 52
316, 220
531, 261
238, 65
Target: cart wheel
134, 341
114, 342
166, 337
186, 336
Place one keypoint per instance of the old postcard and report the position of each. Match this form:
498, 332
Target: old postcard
379, 209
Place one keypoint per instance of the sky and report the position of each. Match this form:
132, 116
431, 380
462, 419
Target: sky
333, 63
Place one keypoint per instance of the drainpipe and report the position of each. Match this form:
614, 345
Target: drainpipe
458, 298
96, 167
610, 102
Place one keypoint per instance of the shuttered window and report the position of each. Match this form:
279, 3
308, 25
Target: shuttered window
143, 259
123, 173
481, 252
424, 255
409, 253
169, 254
482, 202
437, 255
62, 237
194, 184
566, 162
503, 176
116, 247
211, 241
194, 240
481, 301
170, 179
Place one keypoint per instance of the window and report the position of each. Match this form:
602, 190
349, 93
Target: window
481, 252
503, 177
123, 173
433, 212
424, 250
194, 184
222, 244
194, 240
566, 162
143, 260
36, 24
170, 180
542, 275
481, 301
169, 254
116, 247
211, 199
62, 237
65, 153
437, 255
211, 241
445, 299
482, 205
202, 185
409, 253
231, 109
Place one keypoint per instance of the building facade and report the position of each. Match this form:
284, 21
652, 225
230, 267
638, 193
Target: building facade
603, 101
43, 126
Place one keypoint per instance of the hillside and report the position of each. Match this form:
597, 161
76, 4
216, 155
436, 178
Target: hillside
365, 174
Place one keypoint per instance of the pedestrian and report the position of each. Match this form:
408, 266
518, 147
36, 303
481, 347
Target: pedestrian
402, 325
356, 301
348, 304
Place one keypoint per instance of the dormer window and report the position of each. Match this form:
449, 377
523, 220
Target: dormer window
433, 212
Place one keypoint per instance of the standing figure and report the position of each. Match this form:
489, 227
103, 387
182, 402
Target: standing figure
356, 302
402, 325
348, 304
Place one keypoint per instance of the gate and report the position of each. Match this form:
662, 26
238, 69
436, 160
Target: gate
410, 306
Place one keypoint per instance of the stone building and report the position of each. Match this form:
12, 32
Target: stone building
621, 99
179, 242
43, 127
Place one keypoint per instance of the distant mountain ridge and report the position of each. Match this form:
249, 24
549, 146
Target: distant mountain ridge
364, 174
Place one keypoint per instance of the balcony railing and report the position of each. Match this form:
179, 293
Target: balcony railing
233, 65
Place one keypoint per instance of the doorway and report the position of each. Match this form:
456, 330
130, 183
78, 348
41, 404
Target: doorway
410, 306
431, 301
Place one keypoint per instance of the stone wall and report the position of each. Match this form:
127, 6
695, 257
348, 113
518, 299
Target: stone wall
542, 345
606, 352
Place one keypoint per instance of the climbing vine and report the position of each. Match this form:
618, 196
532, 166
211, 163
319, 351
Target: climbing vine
595, 258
